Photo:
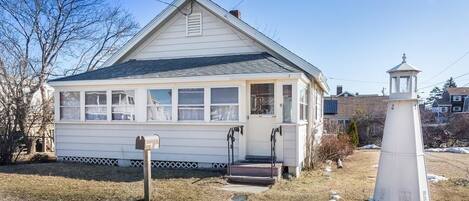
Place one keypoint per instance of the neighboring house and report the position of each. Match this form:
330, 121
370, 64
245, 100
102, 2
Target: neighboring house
190, 75
342, 107
459, 98
453, 100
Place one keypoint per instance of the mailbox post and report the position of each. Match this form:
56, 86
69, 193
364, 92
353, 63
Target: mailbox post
147, 143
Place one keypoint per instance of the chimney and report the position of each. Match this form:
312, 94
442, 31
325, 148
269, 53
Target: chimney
339, 89
235, 13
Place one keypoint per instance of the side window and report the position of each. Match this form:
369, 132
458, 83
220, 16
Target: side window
95, 105
287, 103
191, 104
303, 104
159, 105
224, 104
70, 105
123, 105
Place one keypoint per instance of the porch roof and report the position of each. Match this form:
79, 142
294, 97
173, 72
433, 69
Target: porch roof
188, 67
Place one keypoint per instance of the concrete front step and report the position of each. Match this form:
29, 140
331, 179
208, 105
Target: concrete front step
252, 180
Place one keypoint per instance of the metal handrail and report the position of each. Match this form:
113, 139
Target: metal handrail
273, 141
230, 138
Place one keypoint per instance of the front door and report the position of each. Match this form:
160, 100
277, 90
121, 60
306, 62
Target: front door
261, 118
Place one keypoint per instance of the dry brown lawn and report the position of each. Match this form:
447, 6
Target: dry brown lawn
356, 180
59, 181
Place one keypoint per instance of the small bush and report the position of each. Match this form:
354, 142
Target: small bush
353, 133
334, 148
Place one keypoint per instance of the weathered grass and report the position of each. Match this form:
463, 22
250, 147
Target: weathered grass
356, 180
59, 181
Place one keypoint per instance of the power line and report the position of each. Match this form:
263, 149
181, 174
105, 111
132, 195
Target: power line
349, 80
177, 7
236, 5
448, 66
459, 76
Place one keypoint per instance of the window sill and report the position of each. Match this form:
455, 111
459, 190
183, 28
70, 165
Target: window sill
202, 123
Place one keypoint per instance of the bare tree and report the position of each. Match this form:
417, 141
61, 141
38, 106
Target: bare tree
38, 36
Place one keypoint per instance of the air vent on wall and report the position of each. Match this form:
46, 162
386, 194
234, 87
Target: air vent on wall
194, 24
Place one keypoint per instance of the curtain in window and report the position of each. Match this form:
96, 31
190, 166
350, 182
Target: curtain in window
70, 105
191, 104
159, 105
123, 105
95, 105
224, 104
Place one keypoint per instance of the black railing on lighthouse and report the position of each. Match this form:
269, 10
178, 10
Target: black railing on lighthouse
230, 138
273, 141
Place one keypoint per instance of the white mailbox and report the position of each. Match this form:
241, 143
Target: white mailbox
147, 142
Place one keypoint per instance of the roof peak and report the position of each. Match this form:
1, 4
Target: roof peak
404, 66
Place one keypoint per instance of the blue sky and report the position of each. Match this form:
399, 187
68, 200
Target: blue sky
355, 42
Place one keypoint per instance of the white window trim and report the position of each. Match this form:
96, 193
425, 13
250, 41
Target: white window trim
458, 110
223, 104
107, 105
457, 98
205, 106
125, 105
79, 106
147, 105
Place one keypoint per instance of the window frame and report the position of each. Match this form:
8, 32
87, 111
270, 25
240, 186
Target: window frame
191, 105
290, 95
105, 105
303, 104
133, 115
459, 110
273, 113
61, 106
224, 104
457, 98
148, 105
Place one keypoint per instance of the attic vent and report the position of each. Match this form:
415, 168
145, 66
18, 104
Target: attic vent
194, 24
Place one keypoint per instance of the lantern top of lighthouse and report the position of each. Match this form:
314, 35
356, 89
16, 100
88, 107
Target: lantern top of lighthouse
404, 66
403, 81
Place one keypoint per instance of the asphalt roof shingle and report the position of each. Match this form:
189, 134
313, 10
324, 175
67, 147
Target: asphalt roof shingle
188, 67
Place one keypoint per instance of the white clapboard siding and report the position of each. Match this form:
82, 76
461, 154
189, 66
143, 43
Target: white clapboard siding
178, 143
289, 145
172, 41
302, 135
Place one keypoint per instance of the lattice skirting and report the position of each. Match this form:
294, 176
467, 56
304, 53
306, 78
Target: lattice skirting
139, 163
89, 160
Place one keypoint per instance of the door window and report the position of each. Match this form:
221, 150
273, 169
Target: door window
262, 99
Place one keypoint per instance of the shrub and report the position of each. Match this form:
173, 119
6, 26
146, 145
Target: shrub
353, 133
334, 147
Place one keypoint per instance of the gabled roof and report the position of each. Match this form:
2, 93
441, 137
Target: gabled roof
345, 93
188, 67
276, 49
458, 90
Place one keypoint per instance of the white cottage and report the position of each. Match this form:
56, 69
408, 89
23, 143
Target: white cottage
189, 76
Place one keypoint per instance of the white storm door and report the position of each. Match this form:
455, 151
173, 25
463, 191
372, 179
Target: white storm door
261, 118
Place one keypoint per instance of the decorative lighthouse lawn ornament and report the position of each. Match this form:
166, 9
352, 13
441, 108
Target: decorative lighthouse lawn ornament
401, 170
